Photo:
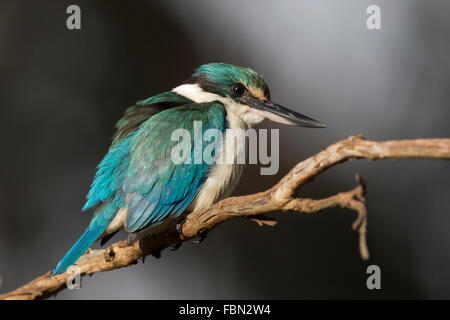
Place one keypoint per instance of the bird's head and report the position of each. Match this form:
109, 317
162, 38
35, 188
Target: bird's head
243, 92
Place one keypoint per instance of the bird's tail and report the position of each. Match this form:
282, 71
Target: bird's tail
97, 226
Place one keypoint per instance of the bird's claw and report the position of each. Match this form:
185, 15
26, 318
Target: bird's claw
202, 233
175, 246
179, 227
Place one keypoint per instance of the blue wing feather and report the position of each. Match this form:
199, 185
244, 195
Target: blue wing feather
110, 174
156, 186
138, 172
106, 193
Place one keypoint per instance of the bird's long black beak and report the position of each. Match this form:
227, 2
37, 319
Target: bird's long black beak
278, 113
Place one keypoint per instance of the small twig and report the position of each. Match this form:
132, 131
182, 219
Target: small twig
263, 220
353, 199
278, 198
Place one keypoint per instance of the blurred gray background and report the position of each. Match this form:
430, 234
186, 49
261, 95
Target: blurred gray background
62, 91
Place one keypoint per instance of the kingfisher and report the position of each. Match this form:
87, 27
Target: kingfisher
138, 186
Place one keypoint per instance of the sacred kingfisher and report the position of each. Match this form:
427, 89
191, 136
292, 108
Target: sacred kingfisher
138, 187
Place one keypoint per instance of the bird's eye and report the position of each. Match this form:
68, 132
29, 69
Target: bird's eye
238, 90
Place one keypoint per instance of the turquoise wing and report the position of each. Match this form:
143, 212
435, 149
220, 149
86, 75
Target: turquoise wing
155, 185
108, 181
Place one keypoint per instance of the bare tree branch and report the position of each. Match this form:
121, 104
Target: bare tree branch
280, 197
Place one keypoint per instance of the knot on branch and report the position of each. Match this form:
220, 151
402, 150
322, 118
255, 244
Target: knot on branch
109, 254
